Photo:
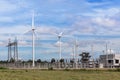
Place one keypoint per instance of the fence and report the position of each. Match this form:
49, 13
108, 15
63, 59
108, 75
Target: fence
46, 65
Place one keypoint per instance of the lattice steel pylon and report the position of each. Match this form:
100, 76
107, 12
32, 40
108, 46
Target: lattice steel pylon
12, 50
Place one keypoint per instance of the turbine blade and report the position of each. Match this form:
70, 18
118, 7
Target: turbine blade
33, 14
28, 32
35, 34
54, 33
61, 33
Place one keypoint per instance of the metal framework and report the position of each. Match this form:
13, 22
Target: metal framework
12, 50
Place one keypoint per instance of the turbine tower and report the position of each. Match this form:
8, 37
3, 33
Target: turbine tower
76, 52
106, 55
33, 41
59, 37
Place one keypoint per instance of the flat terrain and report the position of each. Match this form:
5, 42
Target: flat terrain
58, 75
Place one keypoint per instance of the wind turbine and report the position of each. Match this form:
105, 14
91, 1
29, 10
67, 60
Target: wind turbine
33, 40
59, 35
59, 38
76, 52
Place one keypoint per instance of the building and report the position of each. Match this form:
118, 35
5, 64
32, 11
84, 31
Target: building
109, 61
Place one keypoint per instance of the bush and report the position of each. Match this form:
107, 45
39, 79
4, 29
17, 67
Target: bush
83, 70
26, 70
50, 68
114, 70
118, 69
1, 68
66, 69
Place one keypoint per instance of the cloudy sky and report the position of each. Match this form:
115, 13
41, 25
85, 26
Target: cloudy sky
91, 22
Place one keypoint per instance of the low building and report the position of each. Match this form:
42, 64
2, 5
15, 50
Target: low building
110, 60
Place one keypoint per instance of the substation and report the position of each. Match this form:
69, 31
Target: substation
83, 60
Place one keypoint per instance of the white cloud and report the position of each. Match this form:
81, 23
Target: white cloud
46, 29
2, 43
106, 12
99, 22
14, 29
62, 44
6, 19
23, 43
6, 6
107, 22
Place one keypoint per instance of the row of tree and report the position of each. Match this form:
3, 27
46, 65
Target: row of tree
53, 60
85, 56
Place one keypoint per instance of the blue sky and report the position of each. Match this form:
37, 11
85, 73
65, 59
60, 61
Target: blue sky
90, 21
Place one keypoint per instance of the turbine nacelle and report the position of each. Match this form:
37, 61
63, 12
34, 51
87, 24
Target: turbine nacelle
60, 34
33, 29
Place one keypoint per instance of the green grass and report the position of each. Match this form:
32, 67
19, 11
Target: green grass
8, 74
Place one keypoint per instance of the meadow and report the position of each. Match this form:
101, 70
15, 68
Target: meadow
37, 74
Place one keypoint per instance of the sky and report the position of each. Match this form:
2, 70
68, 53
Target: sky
90, 22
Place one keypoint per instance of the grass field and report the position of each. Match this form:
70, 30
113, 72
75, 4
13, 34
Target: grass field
9, 74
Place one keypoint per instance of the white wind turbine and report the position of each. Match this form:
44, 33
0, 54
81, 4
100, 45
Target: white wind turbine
59, 35
33, 40
76, 45
59, 38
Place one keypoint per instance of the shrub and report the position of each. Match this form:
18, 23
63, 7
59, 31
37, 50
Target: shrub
118, 69
50, 68
1, 68
26, 70
66, 69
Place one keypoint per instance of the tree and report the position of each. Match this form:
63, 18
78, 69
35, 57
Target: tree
29, 61
61, 63
52, 60
61, 60
39, 61
72, 61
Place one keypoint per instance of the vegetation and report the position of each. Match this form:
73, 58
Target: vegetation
35, 74
3, 68
52, 60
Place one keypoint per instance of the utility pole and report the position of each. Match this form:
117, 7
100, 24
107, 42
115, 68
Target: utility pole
76, 53
92, 46
106, 55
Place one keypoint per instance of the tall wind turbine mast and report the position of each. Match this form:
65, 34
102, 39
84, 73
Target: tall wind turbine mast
76, 52
106, 55
33, 41
59, 37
